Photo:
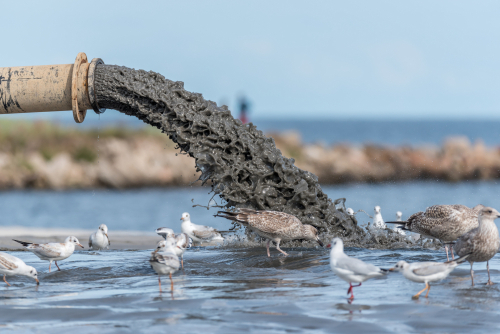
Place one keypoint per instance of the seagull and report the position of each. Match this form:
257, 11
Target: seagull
164, 260
378, 221
182, 241
350, 212
100, 240
350, 269
273, 225
443, 222
482, 242
11, 266
52, 251
199, 233
425, 272
396, 228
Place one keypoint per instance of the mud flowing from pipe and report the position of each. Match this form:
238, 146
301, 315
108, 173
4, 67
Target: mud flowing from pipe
241, 164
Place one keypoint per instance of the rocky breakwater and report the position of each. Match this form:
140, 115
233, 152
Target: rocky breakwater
457, 159
45, 156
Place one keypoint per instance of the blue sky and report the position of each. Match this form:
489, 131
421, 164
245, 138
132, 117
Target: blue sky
293, 59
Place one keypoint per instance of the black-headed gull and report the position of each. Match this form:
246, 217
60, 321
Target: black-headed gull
11, 266
350, 269
425, 272
100, 240
164, 260
199, 233
378, 221
182, 241
273, 225
52, 251
482, 242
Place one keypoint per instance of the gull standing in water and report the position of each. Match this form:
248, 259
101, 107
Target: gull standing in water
100, 240
378, 221
164, 260
443, 222
273, 225
182, 241
11, 266
52, 251
199, 233
350, 269
425, 272
482, 242
396, 228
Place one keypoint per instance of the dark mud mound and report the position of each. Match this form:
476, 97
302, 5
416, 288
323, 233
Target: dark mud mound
243, 166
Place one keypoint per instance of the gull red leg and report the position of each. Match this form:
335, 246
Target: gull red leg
57, 266
5, 280
159, 282
351, 291
446, 249
267, 246
50, 263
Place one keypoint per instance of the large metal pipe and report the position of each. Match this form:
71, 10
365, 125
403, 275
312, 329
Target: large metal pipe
27, 89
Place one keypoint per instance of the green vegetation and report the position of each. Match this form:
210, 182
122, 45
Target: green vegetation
50, 139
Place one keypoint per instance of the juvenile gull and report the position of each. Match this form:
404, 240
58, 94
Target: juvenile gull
182, 241
100, 240
425, 272
11, 266
378, 221
482, 242
350, 269
52, 251
199, 233
164, 260
273, 226
443, 222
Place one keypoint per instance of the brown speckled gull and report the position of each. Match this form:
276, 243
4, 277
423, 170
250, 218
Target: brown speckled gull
482, 242
273, 225
443, 222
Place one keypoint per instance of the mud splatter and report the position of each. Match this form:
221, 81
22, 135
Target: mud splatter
241, 164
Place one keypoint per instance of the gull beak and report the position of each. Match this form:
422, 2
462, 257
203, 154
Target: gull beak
37, 281
81, 245
319, 242
182, 218
392, 269
329, 246
109, 241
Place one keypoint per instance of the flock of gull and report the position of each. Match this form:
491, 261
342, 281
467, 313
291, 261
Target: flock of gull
469, 232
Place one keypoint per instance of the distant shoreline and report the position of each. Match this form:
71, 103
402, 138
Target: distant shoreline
40, 155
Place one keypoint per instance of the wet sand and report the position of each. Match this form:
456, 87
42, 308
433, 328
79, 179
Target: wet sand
236, 289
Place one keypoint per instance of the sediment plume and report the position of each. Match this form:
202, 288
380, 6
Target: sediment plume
243, 166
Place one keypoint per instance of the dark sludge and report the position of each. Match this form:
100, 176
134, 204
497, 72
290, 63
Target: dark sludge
241, 164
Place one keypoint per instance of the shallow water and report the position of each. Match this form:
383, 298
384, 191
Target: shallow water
147, 209
238, 289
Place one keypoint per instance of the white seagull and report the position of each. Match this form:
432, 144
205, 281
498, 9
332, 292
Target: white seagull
164, 260
350, 269
11, 266
199, 233
396, 228
52, 251
425, 272
100, 240
378, 221
350, 212
182, 241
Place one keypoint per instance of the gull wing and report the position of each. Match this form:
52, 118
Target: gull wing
168, 259
271, 221
431, 269
45, 250
7, 262
357, 266
183, 241
205, 233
